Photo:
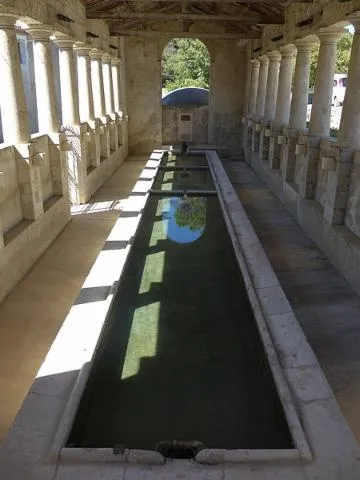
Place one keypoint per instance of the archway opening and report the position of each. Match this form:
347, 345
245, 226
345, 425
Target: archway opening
185, 82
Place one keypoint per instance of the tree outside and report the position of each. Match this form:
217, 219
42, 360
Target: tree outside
185, 63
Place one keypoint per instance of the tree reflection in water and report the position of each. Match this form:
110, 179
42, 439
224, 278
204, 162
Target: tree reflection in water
186, 218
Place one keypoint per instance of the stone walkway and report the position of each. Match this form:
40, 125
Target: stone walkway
32, 314
327, 309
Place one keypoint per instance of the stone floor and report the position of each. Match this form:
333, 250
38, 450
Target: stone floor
32, 314
327, 309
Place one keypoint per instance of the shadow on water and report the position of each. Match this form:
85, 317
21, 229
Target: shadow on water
181, 358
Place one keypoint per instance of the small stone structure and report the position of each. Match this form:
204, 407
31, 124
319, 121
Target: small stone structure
185, 116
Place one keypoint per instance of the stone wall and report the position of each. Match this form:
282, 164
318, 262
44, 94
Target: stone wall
143, 82
170, 124
227, 90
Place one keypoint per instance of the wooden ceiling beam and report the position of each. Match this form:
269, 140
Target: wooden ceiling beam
246, 18
160, 33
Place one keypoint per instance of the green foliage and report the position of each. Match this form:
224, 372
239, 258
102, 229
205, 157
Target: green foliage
191, 213
185, 63
342, 57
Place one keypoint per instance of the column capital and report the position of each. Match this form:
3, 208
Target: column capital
96, 54
64, 41
106, 58
255, 62
8, 20
115, 61
306, 44
263, 59
274, 56
288, 50
40, 32
82, 49
330, 36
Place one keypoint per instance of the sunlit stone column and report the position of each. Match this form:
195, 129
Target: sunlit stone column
255, 67
48, 116
349, 132
115, 72
348, 140
86, 102
261, 91
272, 85
270, 102
68, 82
324, 83
108, 84
98, 83
300, 93
298, 109
12, 97
282, 110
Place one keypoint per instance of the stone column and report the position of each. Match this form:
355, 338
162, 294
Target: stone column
255, 67
348, 140
12, 97
282, 110
299, 103
68, 83
300, 93
349, 132
324, 83
108, 84
272, 86
97, 83
261, 91
48, 115
320, 112
270, 102
86, 102
115, 72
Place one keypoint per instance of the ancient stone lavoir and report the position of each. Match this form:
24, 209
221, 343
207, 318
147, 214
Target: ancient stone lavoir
84, 137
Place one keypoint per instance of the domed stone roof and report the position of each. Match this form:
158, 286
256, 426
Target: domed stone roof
186, 96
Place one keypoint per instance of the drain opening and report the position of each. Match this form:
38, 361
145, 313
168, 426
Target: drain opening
180, 449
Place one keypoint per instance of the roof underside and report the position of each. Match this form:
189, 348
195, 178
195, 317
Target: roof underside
207, 18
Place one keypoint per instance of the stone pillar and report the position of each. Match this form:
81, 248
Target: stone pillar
68, 83
97, 83
300, 93
48, 115
261, 91
272, 85
108, 84
320, 112
270, 102
348, 137
298, 109
282, 110
12, 97
115, 72
86, 102
324, 83
349, 132
255, 67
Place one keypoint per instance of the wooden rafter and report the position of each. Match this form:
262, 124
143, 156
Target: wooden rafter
189, 17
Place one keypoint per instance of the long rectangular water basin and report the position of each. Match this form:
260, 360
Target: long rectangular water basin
181, 365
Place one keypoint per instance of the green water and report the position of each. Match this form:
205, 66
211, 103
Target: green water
181, 358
